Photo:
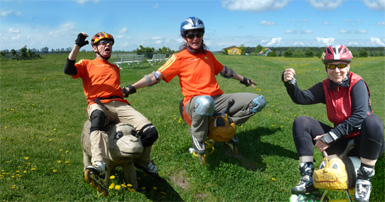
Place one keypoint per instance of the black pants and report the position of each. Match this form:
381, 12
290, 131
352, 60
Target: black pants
369, 143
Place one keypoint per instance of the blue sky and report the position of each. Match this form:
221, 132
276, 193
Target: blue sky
270, 23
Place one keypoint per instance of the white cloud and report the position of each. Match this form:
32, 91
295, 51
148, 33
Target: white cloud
353, 43
325, 4
63, 30
325, 41
353, 31
381, 23
377, 41
15, 37
13, 31
298, 43
375, 4
272, 42
325, 23
123, 30
265, 22
254, 5
85, 1
155, 5
10, 12
299, 31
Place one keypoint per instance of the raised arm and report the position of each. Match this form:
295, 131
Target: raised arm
69, 67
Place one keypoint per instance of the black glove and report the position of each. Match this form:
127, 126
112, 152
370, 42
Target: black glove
81, 40
131, 90
246, 81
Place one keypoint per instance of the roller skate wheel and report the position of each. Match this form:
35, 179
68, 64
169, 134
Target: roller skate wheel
93, 184
202, 160
105, 192
87, 176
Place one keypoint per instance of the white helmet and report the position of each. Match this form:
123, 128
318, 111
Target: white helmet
190, 24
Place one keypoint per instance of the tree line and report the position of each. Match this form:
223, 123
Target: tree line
307, 51
25, 54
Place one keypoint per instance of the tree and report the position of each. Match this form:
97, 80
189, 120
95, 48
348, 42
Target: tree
309, 53
242, 47
272, 54
44, 50
298, 53
363, 52
13, 53
23, 53
258, 49
288, 53
146, 51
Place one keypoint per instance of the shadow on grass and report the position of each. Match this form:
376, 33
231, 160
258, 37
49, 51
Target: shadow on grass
251, 150
156, 189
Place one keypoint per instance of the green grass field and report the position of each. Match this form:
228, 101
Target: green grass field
43, 111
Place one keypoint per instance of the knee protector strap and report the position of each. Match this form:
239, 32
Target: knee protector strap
148, 134
257, 104
204, 105
98, 120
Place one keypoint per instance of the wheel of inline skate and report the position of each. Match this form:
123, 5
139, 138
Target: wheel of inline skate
87, 176
93, 184
99, 188
105, 192
202, 160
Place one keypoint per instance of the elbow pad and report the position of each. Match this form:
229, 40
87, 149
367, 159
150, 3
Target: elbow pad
70, 68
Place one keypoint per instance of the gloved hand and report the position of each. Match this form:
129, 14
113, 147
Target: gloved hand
81, 40
131, 90
247, 82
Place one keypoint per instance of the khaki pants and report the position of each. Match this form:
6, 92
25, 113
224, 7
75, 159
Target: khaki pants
125, 114
239, 112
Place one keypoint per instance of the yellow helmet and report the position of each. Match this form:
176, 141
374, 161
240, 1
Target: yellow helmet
101, 35
221, 128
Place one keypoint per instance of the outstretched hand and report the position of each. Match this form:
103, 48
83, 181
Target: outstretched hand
248, 82
319, 144
81, 40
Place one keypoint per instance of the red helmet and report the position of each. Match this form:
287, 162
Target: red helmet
101, 35
336, 53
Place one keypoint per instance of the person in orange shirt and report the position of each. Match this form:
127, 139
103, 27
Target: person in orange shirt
197, 68
106, 104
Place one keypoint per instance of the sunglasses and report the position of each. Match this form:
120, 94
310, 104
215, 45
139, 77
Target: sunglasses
339, 66
105, 42
192, 36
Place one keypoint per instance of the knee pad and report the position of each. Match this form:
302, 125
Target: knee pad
257, 104
98, 120
148, 134
204, 105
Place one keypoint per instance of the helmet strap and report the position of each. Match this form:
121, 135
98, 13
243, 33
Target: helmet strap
97, 52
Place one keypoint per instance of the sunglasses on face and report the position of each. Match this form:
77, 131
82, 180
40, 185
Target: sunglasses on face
339, 66
105, 42
192, 36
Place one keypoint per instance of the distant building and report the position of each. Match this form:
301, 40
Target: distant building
264, 52
233, 50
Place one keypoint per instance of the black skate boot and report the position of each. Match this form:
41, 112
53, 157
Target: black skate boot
95, 174
305, 185
363, 184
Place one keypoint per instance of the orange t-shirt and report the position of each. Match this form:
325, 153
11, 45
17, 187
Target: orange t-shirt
101, 79
196, 73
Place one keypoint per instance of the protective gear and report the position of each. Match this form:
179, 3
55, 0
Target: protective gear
225, 74
306, 182
204, 105
363, 185
148, 134
81, 40
221, 128
336, 53
98, 120
246, 81
257, 104
131, 90
191, 23
70, 68
101, 35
